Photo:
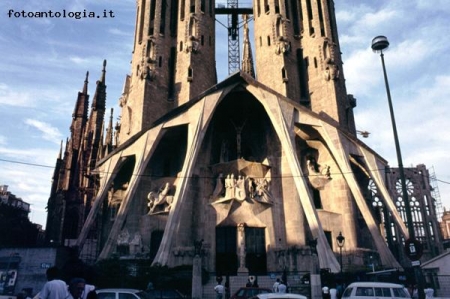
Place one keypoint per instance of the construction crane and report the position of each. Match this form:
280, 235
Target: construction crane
233, 11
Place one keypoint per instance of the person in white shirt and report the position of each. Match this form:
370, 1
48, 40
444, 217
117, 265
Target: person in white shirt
54, 288
220, 291
87, 289
333, 293
275, 286
282, 288
429, 292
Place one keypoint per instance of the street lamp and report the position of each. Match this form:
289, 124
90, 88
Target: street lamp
379, 44
340, 243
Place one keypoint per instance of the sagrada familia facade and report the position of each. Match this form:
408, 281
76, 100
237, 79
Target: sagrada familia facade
248, 172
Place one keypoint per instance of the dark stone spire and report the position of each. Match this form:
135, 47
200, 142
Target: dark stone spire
85, 86
99, 101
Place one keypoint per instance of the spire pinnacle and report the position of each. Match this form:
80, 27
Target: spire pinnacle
247, 58
60, 150
103, 71
85, 86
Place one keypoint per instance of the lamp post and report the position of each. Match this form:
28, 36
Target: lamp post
380, 43
340, 243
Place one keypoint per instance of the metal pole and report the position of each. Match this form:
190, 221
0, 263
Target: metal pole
405, 197
410, 224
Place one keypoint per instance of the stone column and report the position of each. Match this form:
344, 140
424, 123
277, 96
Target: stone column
197, 289
241, 247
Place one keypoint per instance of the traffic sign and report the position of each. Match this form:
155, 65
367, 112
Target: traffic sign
413, 249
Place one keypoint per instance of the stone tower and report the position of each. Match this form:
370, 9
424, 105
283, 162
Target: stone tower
173, 60
298, 55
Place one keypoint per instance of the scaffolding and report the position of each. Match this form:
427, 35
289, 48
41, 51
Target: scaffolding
435, 194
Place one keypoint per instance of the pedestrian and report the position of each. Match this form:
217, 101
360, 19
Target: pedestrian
54, 288
89, 291
275, 286
220, 290
325, 293
76, 288
429, 292
282, 287
333, 293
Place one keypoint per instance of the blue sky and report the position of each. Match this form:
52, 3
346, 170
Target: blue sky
43, 63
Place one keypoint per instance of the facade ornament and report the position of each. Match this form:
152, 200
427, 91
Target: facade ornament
319, 175
160, 201
331, 70
192, 45
146, 69
229, 188
283, 46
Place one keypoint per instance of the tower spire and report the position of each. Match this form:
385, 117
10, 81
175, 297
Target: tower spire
99, 101
247, 57
85, 86
102, 79
60, 150
109, 132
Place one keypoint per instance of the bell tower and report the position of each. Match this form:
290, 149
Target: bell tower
173, 60
298, 55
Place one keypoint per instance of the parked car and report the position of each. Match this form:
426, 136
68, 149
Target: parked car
139, 294
279, 296
372, 290
165, 294
245, 293
121, 294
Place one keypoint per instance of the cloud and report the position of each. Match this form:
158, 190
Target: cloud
79, 60
116, 31
13, 98
49, 132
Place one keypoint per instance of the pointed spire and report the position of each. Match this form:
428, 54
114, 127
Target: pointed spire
99, 100
85, 86
60, 150
247, 57
103, 72
109, 130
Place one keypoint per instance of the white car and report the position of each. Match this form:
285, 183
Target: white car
279, 296
372, 290
120, 294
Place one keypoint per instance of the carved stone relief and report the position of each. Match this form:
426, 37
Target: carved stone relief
160, 201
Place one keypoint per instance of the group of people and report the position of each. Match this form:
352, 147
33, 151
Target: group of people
56, 288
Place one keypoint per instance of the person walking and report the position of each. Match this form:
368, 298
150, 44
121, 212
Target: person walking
325, 292
76, 288
333, 293
282, 287
275, 286
429, 292
54, 288
220, 290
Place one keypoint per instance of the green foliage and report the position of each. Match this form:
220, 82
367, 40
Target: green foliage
16, 230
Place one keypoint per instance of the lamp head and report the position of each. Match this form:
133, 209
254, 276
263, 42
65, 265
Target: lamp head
340, 240
380, 43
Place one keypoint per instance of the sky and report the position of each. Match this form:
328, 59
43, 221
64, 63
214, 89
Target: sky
43, 63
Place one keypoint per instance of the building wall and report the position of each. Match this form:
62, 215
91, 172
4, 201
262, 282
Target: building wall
33, 265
